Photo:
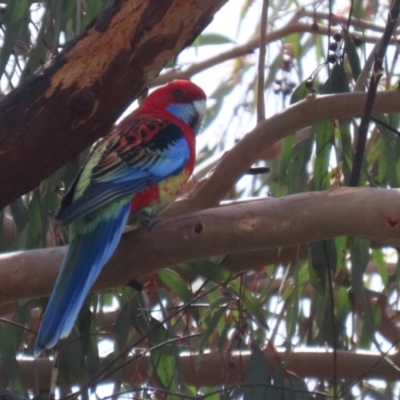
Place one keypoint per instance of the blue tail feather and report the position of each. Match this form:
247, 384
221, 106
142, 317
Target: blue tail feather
82, 265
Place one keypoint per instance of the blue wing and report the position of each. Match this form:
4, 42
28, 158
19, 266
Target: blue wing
146, 152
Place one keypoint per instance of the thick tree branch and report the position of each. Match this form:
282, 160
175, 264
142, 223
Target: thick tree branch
225, 230
214, 370
79, 94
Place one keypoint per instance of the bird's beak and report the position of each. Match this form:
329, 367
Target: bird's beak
200, 107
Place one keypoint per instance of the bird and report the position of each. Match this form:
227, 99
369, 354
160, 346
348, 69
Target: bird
136, 171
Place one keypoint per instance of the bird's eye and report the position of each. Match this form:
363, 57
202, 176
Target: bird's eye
178, 94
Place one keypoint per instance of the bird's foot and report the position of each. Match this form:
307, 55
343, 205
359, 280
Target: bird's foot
149, 220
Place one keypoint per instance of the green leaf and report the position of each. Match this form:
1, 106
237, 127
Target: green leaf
391, 150
210, 270
297, 174
286, 155
324, 134
211, 39
296, 388
19, 213
74, 357
295, 41
123, 324
176, 283
13, 27
211, 326
352, 55
301, 92
324, 259
257, 374
93, 8
346, 150
343, 306
337, 81
164, 359
39, 53
11, 373
378, 257
37, 226
359, 252
20, 9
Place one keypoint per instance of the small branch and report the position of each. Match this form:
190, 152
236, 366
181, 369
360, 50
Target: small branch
261, 61
240, 51
344, 21
257, 171
373, 86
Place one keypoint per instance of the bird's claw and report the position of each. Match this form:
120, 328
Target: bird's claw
149, 220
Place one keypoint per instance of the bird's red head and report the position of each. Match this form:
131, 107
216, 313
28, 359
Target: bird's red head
181, 98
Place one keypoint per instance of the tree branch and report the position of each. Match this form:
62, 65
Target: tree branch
215, 370
294, 26
261, 61
238, 228
236, 162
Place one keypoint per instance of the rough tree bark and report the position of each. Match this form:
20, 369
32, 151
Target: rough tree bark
78, 95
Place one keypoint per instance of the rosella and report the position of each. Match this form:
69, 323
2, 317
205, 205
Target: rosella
137, 170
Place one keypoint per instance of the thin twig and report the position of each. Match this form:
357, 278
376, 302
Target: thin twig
373, 86
261, 62
387, 126
258, 170
9, 322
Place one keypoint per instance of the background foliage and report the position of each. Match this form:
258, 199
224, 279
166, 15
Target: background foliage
340, 294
